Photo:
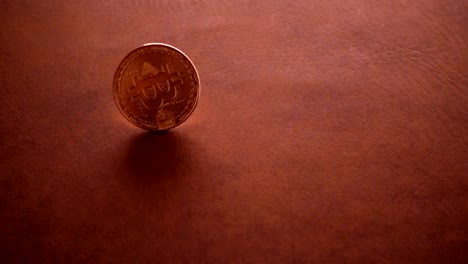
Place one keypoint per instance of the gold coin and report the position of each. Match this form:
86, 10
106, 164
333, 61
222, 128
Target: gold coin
156, 87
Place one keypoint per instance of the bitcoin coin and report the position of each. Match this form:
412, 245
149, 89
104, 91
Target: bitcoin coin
156, 87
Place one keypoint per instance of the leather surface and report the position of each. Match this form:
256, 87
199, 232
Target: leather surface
326, 132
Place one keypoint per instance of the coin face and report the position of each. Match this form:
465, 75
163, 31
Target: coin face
156, 87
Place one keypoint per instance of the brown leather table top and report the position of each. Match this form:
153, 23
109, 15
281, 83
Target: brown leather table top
326, 132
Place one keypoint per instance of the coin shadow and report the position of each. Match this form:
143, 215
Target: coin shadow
156, 156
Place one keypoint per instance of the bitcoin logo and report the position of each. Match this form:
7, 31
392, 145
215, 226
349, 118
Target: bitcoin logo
156, 87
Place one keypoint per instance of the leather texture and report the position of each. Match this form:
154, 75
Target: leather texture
326, 132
